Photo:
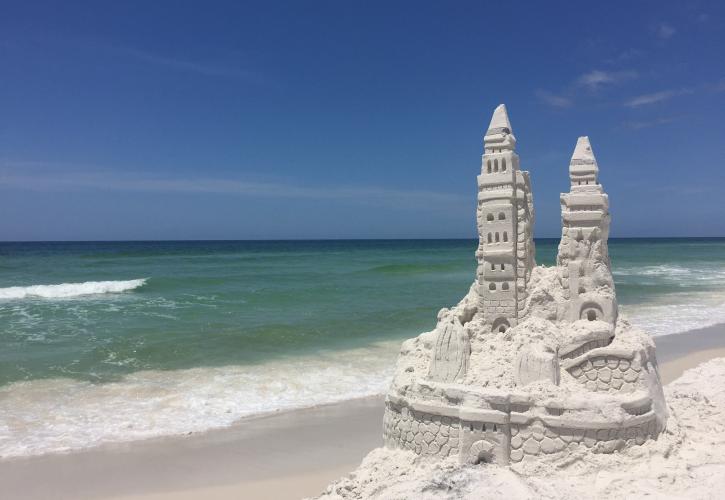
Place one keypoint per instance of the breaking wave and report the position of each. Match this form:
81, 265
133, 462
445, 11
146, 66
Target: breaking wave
677, 313
67, 290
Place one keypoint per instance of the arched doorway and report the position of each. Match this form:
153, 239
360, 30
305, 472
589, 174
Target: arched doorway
480, 452
501, 324
590, 312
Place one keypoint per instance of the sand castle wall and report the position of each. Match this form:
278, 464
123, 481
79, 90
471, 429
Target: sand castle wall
513, 436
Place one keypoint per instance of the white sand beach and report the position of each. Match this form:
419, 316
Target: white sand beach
284, 456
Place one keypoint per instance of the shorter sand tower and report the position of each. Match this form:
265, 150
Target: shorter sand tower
534, 361
583, 257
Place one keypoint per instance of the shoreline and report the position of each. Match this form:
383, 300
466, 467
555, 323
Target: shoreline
287, 454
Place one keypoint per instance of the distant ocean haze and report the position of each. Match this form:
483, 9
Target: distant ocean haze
120, 341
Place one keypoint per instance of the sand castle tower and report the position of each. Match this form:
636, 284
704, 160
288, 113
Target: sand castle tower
583, 254
505, 217
535, 362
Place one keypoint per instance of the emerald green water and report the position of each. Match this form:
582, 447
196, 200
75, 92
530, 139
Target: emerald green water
202, 333
210, 304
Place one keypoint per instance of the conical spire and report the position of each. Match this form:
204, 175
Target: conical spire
500, 119
583, 168
583, 151
499, 135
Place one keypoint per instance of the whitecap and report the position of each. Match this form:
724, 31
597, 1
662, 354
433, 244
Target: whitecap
68, 290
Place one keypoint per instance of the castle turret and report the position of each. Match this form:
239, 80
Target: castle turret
583, 257
505, 220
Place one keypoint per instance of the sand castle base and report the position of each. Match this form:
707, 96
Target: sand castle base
506, 428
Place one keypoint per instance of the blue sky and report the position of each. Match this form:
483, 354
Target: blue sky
340, 119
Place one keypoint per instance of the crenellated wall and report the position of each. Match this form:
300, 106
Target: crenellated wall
429, 434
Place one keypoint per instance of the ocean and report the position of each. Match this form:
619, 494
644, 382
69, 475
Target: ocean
118, 341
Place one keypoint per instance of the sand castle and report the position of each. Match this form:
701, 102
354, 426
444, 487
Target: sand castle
534, 361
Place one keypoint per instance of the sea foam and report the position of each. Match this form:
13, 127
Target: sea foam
62, 414
678, 313
67, 290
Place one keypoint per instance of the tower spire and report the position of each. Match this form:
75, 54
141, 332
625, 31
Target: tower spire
499, 119
583, 168
583, 150
499, 136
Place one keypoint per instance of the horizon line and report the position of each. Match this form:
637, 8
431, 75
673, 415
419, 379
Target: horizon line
221, 240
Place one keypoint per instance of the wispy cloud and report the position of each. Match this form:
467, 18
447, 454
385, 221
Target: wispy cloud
554, 100
596, 79
625, 56
655, 97
639, 125
665, 31
179, 64
592, 81
719, 86
45, 177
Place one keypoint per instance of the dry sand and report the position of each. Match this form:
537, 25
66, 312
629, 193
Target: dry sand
284, 456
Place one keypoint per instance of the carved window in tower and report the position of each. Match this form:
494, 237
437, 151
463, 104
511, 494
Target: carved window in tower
505, 236
493, 266
489, 217
488, 166
489, 237
501, 216
503, 267
497, 238
503, 165
492, 286
505, 285
495, 165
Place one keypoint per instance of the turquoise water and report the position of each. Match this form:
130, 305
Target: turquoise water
199, 334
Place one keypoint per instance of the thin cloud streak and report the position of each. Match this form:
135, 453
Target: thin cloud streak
202, 68
592, 81
595, 79
109, 181
554, 100
639, 125
625, 55
655, 97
